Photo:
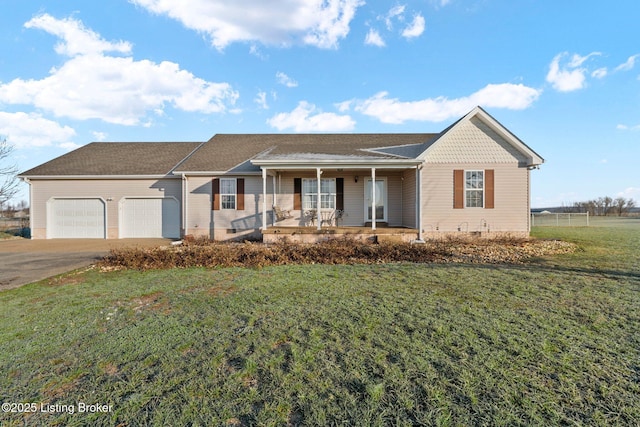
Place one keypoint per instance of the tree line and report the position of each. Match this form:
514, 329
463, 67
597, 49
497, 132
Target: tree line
602, 206
11, 210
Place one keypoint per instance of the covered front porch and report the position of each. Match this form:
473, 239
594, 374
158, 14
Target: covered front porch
312, 201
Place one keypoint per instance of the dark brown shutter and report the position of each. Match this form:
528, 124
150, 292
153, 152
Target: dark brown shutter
297, 193
340, 194
488, 189
240, 194
458, 189
215, 194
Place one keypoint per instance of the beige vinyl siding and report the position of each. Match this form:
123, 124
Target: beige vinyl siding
409, 198
225, 224
198, 206
394, 197
473, 145
111, 191
511, 200
354, 199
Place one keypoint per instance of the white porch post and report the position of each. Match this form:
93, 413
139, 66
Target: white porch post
419, 201
373, 198
318, 215
274, 202
264, 198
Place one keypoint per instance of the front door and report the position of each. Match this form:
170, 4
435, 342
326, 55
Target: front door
380, 200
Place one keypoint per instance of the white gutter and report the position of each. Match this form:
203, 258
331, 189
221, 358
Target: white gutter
332, 164
217, 173
185, 203
63, 177
31, 215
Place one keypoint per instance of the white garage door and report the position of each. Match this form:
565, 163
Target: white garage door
150, 218
76, 218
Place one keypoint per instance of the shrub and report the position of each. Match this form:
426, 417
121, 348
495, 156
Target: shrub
199, 252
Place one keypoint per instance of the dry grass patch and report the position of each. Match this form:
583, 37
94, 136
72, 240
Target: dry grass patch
209, 254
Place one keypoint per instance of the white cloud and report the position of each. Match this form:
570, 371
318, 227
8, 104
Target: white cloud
626, 127
600, 73
75, 38
630, 193
117, 90
261, 100
99, 136
394, 12
628, 65
69, 146
415, 29
308, 118
283, 79
25, 130
320, 23
571, 76
391, 110
374, 39
396, 16
343, 106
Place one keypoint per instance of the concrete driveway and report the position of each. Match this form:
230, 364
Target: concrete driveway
25, 261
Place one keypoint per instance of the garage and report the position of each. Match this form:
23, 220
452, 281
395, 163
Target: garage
150, 217
76, 218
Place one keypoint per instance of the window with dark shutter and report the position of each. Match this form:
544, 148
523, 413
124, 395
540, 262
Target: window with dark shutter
488, 189
240, 194
297, 193
340, 194
458, 189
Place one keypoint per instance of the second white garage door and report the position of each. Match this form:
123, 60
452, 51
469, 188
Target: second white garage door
143, 217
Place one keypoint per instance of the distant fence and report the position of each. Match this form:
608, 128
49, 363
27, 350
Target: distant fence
559, 219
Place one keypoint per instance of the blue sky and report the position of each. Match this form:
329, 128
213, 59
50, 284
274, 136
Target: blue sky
563, 76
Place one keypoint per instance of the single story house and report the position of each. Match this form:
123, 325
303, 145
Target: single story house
473, 177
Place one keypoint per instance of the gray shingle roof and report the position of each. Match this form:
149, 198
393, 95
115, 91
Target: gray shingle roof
226, 151
117, 158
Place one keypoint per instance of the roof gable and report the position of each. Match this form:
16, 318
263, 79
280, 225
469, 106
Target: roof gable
478, 137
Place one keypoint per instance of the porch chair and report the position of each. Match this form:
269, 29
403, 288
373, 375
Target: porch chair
310, 217
281, 214
327, 218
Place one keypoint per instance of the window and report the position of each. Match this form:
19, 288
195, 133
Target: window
474, 189
228, 193
327, 193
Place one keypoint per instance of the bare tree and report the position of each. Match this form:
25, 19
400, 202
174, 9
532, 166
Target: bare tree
8, 180
606, 205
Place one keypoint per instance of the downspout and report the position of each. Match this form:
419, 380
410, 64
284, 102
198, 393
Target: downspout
528, 201
402, 198
419, 201
185, 204
28, 181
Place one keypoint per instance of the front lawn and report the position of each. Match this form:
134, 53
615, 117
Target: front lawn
555, 341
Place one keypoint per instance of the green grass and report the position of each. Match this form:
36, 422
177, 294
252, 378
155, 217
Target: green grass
554, 342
